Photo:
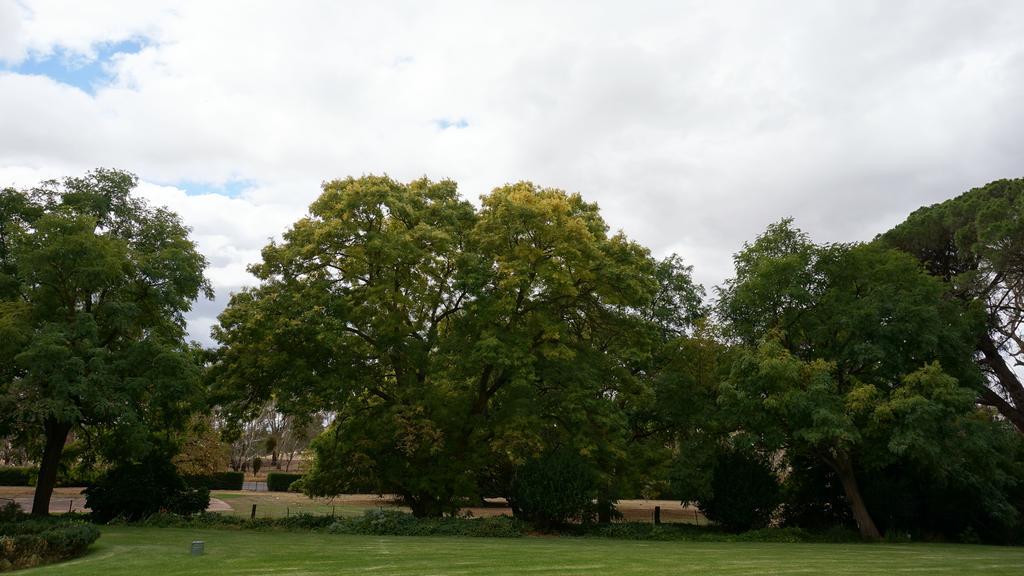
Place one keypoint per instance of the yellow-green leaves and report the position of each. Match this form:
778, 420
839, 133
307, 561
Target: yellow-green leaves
448, 339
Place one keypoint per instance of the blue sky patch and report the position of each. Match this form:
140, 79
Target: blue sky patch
230, 188
446, 123
74, 69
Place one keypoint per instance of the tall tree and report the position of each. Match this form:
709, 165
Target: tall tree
975, 243
93, 287
443, 338
853, 356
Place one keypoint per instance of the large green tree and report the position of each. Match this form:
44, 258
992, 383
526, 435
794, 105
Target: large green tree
93, 287
975, 243
451, 343
851, 356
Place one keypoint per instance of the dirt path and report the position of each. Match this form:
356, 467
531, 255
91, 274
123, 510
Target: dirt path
72, 500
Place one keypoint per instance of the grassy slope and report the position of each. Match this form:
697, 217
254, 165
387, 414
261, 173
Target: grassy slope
134, 551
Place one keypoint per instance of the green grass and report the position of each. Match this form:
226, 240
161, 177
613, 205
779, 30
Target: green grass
133, 551
279, 504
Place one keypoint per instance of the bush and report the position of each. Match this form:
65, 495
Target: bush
373, 522
281, 481
25, 543
691, 533
217, 481
298, 486
10, 512
136, 490
554, 489
744, 494
394, 523
16, 476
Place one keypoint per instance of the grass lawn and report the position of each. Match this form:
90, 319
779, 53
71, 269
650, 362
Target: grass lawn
133, 551
278, 504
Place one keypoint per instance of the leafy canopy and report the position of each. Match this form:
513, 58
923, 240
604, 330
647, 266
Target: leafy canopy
451, 343
94, 284
975, 243
852, 356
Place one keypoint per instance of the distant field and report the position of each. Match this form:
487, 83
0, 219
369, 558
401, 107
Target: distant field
134, 551
277, 504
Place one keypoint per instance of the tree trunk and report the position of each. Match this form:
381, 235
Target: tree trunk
990, 397
844, 468
604, 510
1007, 380
56, 435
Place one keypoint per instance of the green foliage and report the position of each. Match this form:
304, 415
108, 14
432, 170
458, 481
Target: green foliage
217, 481
298, 522
813, 497
201, 449
94, 285
975, 243
744, 492
10, 511
16, 476
453, 344
556, 488
851, 356
281, 481
138, 489
691, 533
25, 543
372, 522
392, 523
977, 492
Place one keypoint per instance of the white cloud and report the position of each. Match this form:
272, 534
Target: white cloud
693, 124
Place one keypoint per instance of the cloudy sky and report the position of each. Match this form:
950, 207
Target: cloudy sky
692, 124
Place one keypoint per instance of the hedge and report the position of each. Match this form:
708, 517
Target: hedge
27, 477
25, 543
280, 481
382, 522
218, 481
17, 476
372, 522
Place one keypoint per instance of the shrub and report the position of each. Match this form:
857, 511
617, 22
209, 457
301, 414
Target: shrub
138, 489
744, 494
554, 489
10, 511
25, 543
281, 481
395, 523
298, 486
16, 476
218, 481
373, 522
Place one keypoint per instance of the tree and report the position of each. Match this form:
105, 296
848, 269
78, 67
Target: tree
850, 355
447, 341
138, 489
93, 287
554, 488
975, 243
743, 491
201, 451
